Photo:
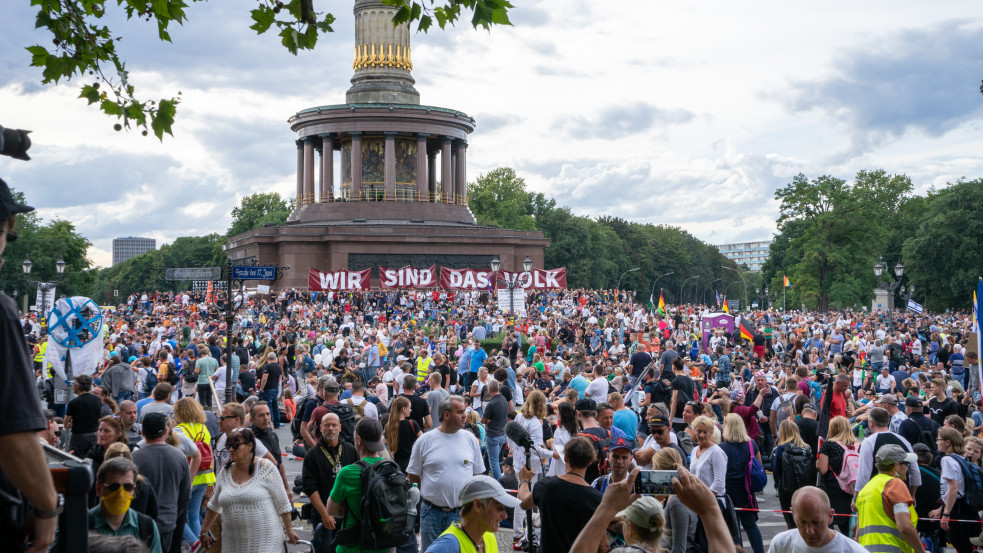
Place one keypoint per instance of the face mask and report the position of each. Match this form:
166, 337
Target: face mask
117, 502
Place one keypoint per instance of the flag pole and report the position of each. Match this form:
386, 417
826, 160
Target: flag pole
783, 297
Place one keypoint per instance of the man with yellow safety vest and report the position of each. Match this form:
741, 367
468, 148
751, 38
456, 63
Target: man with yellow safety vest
423, 364
885, 509
39, 351
483, 507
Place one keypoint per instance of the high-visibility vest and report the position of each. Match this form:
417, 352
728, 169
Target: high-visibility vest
489, 539
423, 368
42, 347
876, 528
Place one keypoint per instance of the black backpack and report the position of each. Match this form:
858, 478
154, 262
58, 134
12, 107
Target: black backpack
298, 417
385, 520
797, 466
346, 413
600, 468
172, 375
189, 372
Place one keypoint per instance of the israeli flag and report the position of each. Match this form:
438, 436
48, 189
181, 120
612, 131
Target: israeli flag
912, 306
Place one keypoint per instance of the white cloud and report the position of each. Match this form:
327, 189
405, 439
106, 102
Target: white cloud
682, 114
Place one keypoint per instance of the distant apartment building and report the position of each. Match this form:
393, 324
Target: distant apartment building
752, 254
131, 246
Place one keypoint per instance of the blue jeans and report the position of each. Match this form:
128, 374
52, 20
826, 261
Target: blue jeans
321, 541
433, 522
123, 396
270, 397
495, 444
193, 527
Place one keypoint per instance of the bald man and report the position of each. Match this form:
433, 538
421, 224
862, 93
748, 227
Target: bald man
813, 516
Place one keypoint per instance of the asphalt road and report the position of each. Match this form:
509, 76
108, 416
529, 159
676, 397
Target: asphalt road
770, 524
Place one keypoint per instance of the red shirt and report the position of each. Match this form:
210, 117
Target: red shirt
837, 407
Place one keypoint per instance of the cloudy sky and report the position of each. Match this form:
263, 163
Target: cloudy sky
682, 113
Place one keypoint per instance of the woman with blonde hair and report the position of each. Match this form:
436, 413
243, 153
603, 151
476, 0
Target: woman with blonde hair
790, 439
190, 419
708, 463
739, 448
531, 418
830, 463
401, 431
145, 498
680, 524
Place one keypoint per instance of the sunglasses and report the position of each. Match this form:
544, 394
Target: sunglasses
224, 417
235, 445
115, 486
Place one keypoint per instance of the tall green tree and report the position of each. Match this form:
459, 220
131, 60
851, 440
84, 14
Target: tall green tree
257, 210
83, 45
944, 256
45, 243
500, 198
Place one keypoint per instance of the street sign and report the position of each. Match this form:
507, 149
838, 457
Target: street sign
193, 273
247, 272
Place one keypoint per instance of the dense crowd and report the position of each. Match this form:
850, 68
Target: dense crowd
869, 423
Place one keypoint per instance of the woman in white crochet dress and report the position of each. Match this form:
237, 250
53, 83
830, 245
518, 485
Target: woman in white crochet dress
250, 497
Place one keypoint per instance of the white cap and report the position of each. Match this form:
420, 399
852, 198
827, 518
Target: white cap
486, 487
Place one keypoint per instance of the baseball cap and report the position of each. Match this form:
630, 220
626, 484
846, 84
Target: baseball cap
893, 453
586, 404
889, 399
370, 431
920, 448
485, 487
659, 420
8, 206
640, 512
154, 425
619, 443
912, 401
810, 406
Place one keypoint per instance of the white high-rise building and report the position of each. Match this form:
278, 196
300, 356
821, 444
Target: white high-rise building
131, 246
752, 254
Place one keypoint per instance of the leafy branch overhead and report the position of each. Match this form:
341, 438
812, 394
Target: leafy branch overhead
84, 48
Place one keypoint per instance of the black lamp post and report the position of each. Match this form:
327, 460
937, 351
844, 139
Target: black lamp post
44, 287
889, 285
762, 297
509, 285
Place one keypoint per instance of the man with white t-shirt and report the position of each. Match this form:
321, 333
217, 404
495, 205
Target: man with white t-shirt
362, 406
812, 534
441, 462
598, 387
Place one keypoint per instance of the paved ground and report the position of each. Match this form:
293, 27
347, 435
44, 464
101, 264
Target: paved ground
769, 523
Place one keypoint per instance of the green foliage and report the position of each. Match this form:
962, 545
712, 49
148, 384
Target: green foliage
500, 198
257, 210
84, 45
145, 271
839, 231
943, 257
45, 244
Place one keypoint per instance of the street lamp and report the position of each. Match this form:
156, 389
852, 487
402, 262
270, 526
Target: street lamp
906, 293
762, 297
709, 286
618, 287
742, 279
683, 286
887, 287
44, 287
652, 291
509, 285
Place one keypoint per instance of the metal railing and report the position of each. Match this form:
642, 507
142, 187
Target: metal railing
400, 195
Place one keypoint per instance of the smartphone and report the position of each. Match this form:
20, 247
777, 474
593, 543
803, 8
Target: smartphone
655, 482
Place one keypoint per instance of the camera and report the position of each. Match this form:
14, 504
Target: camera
14, 143
655, 482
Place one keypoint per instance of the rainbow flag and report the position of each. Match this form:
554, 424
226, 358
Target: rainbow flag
786, 283
973, 318
662, 305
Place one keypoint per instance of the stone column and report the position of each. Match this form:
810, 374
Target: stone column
327, 168
356, 167
308, 170
446, 176
421, 167
460, 178
390, 166
300, 172
431, 175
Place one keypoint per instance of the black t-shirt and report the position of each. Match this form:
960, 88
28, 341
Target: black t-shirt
248, 381
565, 509
497, 413
446, 375
407, 437
941, 409
807, 429
638, 362
273, 380
685, 386
85, 412
419, 408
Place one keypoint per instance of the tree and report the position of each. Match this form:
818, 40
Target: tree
45, 243
257, 210
85, 45
500, 198
944, 256
847, 228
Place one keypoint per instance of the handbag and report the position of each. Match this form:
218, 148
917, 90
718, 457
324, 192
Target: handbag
756, 478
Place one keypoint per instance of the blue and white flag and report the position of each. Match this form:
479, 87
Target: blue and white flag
912, 306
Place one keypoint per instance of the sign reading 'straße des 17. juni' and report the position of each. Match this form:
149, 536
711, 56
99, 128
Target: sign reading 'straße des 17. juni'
410, 278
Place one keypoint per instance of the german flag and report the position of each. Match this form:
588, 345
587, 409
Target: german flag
746, 332
726, 309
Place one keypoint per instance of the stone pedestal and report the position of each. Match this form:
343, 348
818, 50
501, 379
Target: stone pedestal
883, 301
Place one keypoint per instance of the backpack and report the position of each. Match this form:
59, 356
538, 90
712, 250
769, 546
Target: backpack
786, 409
346, 414
203, 447
973, 480
600, 468
385, 521
816, 390
797, 464
298, 418
383, 350
146, 525
172, 377
847, 477
150, 381
757, 478
359, 409
189, 373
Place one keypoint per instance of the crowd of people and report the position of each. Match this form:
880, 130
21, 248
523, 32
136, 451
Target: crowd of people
869, 423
